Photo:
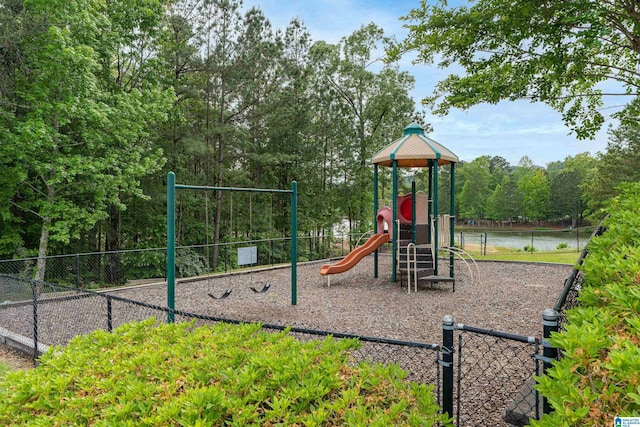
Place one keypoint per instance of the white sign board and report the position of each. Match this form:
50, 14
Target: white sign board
627, 422
248, 255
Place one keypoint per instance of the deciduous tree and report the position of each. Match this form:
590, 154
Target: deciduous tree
503, 203
567, 187
475, 190
619, 164
556, 52
80, 120
376, 105
534, 193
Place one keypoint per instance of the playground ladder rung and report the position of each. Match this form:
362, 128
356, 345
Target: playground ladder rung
416, 269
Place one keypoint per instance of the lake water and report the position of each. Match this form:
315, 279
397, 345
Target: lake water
541, 240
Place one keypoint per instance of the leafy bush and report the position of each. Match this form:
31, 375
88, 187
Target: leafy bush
529, 248
144, 264
4, 368
562, 245
599, 376
176, 374
189, 263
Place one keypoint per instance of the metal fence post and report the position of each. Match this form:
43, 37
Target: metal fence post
171, 244
447, 365
532, 241
109, 315
549, 353
165, 263
485, 243
77, 270
294, 242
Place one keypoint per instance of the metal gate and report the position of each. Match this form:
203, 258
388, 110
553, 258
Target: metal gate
490, 376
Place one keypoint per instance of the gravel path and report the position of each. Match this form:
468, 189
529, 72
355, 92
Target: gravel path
15, 359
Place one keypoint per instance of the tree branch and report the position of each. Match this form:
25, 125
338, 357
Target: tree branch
23, 209
345, 96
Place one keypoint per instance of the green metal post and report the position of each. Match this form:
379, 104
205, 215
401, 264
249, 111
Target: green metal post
430, 201
294, 243
375, 219
413, 212
447, 365
171, 244
549, 353
435, 217
394, 241
452, 218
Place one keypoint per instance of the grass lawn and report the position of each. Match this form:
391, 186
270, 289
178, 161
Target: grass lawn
559, 257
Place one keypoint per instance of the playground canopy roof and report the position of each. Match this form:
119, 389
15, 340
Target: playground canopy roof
414, 150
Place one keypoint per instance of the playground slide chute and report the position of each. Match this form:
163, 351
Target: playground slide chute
355, 255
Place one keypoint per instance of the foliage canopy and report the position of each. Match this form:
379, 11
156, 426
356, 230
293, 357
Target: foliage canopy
556, 52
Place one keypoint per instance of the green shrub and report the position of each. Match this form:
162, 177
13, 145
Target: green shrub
189, 263
599, 376
562, 245
529, 248
4, 368
176, 374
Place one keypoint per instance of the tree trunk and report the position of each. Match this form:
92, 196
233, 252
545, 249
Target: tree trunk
219, 182
42, 249
216, 232
112, 272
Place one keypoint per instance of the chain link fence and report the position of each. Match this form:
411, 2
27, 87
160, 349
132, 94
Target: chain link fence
40, 314
568, 298
482, 377
513, 241
491, 367
99, 270
495, 378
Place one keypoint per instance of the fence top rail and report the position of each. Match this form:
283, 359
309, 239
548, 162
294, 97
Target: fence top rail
530, 230
123, 251
241, 242
35, 258
497, 334
568, 284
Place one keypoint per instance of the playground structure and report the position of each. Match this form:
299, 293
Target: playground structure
412, 225
248, 253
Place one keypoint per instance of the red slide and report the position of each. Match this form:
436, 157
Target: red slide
355, 255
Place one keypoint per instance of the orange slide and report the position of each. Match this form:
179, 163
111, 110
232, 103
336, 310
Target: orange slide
355, 255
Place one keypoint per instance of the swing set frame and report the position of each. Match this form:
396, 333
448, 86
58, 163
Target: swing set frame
171, 232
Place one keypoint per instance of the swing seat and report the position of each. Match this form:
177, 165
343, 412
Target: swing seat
261, 291
223, 296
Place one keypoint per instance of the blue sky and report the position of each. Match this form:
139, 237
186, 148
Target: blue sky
508, 129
